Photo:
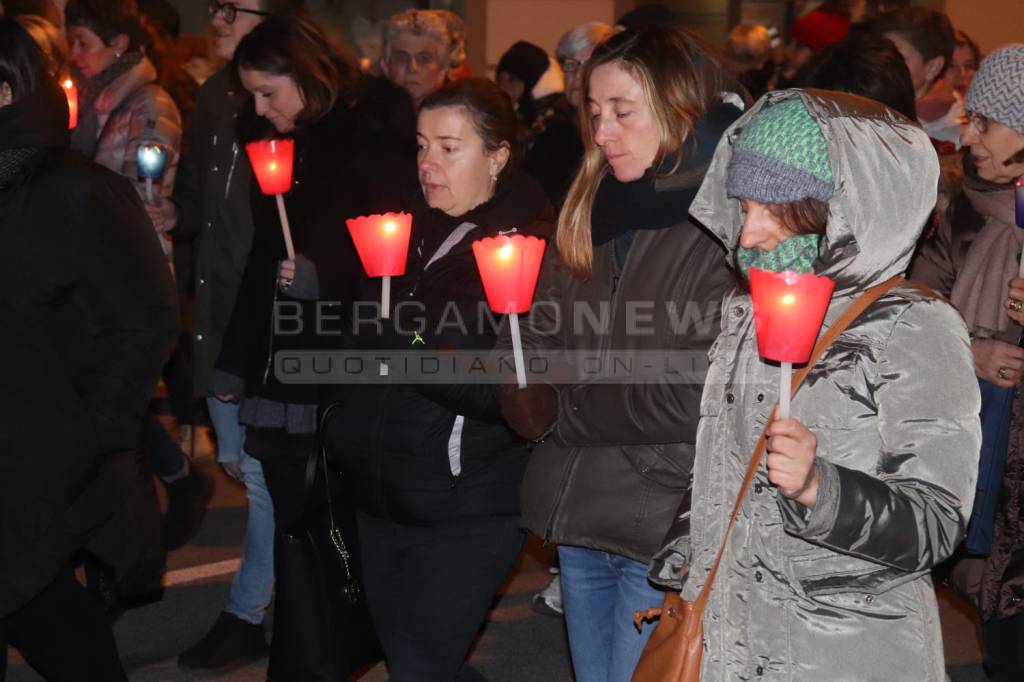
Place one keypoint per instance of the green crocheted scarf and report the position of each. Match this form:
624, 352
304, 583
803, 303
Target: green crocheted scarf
796, 253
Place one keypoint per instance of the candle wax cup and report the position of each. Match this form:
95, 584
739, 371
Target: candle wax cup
271, 161
509, 266
71, 92
788, 312
152, 160
382, 242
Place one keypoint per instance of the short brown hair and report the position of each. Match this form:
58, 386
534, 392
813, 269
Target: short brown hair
804, 216
290, 45
491, 111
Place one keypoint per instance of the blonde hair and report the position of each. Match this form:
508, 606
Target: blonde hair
680, 82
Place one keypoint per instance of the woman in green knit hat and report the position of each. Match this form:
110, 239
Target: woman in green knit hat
870, 483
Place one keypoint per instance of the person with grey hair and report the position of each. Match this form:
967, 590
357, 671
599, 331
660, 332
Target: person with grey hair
420, 47
573, 51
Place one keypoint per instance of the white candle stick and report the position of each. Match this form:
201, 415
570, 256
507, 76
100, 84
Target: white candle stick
385, 298
785, 385
149, 190
517, 349
286, 230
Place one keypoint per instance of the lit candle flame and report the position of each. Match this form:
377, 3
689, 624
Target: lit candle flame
273, 166
67, 84
788, 299
389, 227
505, 252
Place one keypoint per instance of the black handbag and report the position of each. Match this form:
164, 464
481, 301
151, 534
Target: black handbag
322, 628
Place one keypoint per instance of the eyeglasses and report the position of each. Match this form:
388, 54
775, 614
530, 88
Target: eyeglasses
570, 65
401, 60
229, 11
979, 121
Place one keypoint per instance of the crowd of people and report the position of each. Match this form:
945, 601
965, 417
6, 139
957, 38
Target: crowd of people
877, 142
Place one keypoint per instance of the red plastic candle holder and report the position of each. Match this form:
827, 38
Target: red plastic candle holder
71, 92
271, 161
382, 242
788, 312
509, 265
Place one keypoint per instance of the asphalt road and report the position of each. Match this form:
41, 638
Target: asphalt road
516, 644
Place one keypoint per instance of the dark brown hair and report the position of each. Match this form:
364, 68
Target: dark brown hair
805, 216
108, 19
290, 45
491, 111
21, 60
928, 31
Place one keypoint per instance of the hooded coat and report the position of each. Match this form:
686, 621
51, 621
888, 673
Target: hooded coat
87, 310
841, 591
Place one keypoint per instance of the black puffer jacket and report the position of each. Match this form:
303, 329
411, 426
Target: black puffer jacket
88, 318
398, 445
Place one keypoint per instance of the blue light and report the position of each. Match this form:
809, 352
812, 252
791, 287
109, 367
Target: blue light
152, 160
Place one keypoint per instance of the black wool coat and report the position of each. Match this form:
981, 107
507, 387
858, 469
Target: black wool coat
87, 319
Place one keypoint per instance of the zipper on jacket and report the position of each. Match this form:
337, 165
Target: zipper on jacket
566, 474
231, 169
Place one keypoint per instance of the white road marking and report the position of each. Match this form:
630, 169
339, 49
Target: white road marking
193, 574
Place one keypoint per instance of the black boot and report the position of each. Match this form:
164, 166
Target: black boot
187, 499
230, 644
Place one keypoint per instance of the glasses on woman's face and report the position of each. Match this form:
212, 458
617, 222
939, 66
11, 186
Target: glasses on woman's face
228, 11
570, 65
399, 59
979, 121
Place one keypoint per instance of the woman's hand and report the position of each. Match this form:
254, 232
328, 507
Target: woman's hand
163, 214
286, 273
792, 449
998, 362
1015, 300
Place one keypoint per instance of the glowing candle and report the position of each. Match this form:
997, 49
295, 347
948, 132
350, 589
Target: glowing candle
788, 312
271, 161
152, 161
509, 266
71, 92
383, 245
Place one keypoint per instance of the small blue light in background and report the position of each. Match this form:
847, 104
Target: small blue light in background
152, 160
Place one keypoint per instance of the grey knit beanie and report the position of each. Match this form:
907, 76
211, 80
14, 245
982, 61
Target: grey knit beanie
997, 90
780, 156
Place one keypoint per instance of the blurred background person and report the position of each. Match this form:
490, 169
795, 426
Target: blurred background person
419, 48
971, 258
825, 25
749, 51
354, 155
534, 83
573, 51
963, 64
92, 323
50, 39
605, 481
925, 39
434, 471
211, 201
865, 65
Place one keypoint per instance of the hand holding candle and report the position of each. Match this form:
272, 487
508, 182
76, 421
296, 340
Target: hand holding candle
272, 162
71, 92
509, 266
383, 245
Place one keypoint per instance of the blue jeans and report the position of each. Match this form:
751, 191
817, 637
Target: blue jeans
253, 585
600, 592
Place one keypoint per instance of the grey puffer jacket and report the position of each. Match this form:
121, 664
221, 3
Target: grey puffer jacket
841, 591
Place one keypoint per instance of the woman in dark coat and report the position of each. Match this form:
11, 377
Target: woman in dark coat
88, 319
434, 471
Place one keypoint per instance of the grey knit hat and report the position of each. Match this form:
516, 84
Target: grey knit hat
780, 156
997, 90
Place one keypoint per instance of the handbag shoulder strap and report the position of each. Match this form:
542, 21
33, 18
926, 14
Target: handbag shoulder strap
855, 309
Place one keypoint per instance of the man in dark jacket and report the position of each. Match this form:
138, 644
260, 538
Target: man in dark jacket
88, 319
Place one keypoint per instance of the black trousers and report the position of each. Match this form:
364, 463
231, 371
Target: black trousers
64, 635
429, 589
1004, 648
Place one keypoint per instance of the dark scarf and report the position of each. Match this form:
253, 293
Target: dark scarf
11, 161
662, 197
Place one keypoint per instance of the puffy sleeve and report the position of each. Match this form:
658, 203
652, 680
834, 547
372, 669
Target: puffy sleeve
912, 510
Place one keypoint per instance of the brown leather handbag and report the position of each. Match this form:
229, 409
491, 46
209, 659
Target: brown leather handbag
673, 653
